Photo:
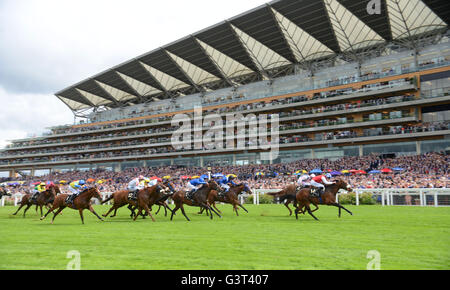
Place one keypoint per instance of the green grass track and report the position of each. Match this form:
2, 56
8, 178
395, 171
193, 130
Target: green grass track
264, 239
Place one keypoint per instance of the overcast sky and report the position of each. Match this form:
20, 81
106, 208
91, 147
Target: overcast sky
47, 45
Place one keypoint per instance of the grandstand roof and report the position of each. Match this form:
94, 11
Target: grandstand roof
256, 45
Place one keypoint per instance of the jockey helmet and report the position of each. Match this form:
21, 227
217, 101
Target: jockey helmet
312, 175
141, 177
42, 183
82, 182
328, 175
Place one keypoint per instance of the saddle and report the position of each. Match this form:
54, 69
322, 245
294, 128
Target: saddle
189, 195
132, 195
315, 192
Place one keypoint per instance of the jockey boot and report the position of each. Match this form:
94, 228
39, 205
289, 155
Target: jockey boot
190, 194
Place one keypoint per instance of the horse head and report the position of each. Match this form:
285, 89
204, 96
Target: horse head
343, 185
246, 189
212, 184
95, 193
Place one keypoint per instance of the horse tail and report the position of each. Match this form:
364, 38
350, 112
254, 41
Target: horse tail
108, 199
164, 198
283, 197
275, 193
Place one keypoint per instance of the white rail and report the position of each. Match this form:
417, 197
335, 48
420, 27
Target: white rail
390, 196
385, 196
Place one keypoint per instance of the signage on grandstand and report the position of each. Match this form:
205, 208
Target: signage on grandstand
241, 133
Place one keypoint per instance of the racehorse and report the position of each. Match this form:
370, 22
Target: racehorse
199, 198
80, 203
287, 195
43, 198
149, 196
121, 199
230, 197
304, 198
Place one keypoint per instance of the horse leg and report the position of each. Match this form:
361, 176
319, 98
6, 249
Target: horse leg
81, 215
21, 205
211, 209
148, 211
286, 204
159, 208
310, 212
26, 210
49, 211
241, 206
93, 211
109, 211
297, 209
56, 213
214, 205
341, 207
173, 211
201, 211
235, 208
182, 210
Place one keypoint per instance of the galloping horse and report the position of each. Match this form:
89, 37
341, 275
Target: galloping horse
199, 198
230, 197
287, 195
43, 198
121, 199
304, 199
149, 196
80, 203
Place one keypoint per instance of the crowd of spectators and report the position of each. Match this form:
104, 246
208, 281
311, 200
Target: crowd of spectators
166, 145
230, 109
430, 170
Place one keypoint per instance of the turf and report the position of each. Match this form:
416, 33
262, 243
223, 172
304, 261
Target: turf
266, 238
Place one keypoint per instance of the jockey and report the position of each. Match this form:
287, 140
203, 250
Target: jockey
38, 189
136, 184
166, 182
76, 187
195, 185
304, 180
320, 180
223, 182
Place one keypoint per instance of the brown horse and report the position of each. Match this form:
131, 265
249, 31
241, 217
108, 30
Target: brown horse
43, 198
121, 199
286, 195
80, 203
304, 198
149, 196
230, 197
199, 198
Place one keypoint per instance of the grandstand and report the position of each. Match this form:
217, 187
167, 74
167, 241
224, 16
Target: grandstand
343, 83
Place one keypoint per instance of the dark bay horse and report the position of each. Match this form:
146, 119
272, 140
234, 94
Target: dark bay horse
286, 195
43, 198
199, 198
231, 197
80, 203
304, 198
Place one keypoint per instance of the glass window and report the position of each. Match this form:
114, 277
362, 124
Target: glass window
406, 148
434, 145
